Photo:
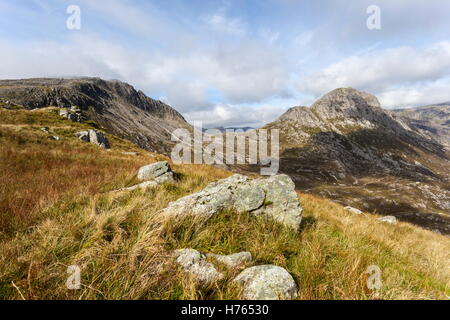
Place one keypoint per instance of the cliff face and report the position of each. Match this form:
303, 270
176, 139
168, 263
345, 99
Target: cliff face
114, 105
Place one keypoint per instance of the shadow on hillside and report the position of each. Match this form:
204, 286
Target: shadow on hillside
361, 154
308, 223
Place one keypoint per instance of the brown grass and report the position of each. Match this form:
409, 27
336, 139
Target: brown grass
36, 172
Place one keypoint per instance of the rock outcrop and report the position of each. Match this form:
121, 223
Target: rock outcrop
353, 210
232, 261
267, 282
274, 197
160, 172
388, 219
153, 175
95, 137
194, 263
73, 114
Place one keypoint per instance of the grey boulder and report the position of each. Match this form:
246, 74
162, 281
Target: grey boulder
95, 137
152, 176
233, 260
73, 114
274, 197
353, 210
194, 263
156, 170
267, 282
388, 219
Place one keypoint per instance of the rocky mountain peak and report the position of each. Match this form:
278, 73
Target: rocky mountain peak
343, 109
348, 103
301, 115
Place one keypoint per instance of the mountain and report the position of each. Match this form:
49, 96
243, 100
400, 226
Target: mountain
229, 129
347, 148
433, 121
114, 105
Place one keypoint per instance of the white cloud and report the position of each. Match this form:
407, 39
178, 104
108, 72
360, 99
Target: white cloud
236, 115
220, 21
380, 70
427, 94
241, 73
398, 75
228, 25
268, 35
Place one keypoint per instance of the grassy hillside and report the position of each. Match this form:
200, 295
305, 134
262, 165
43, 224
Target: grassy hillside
56, 210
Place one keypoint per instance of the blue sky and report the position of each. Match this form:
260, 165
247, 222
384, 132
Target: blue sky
236, 62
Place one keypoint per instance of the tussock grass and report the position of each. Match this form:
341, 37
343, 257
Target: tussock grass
123, 245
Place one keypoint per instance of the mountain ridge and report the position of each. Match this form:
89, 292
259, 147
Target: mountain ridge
113, 104
430, 120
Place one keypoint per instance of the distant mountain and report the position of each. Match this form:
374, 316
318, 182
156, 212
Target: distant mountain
347, 148
114, 105
232, 129
433, 121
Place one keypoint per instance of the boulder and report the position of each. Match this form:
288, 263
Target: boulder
194, 263
233, 260
83, 136
73, 114
388, 219
274, 197
95, 137
99, 139
56, 138
267, 282
63, 113
166, 177
353, 210
281, 203
155, 170
153, 175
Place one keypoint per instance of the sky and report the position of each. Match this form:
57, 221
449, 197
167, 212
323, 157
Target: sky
236, 62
